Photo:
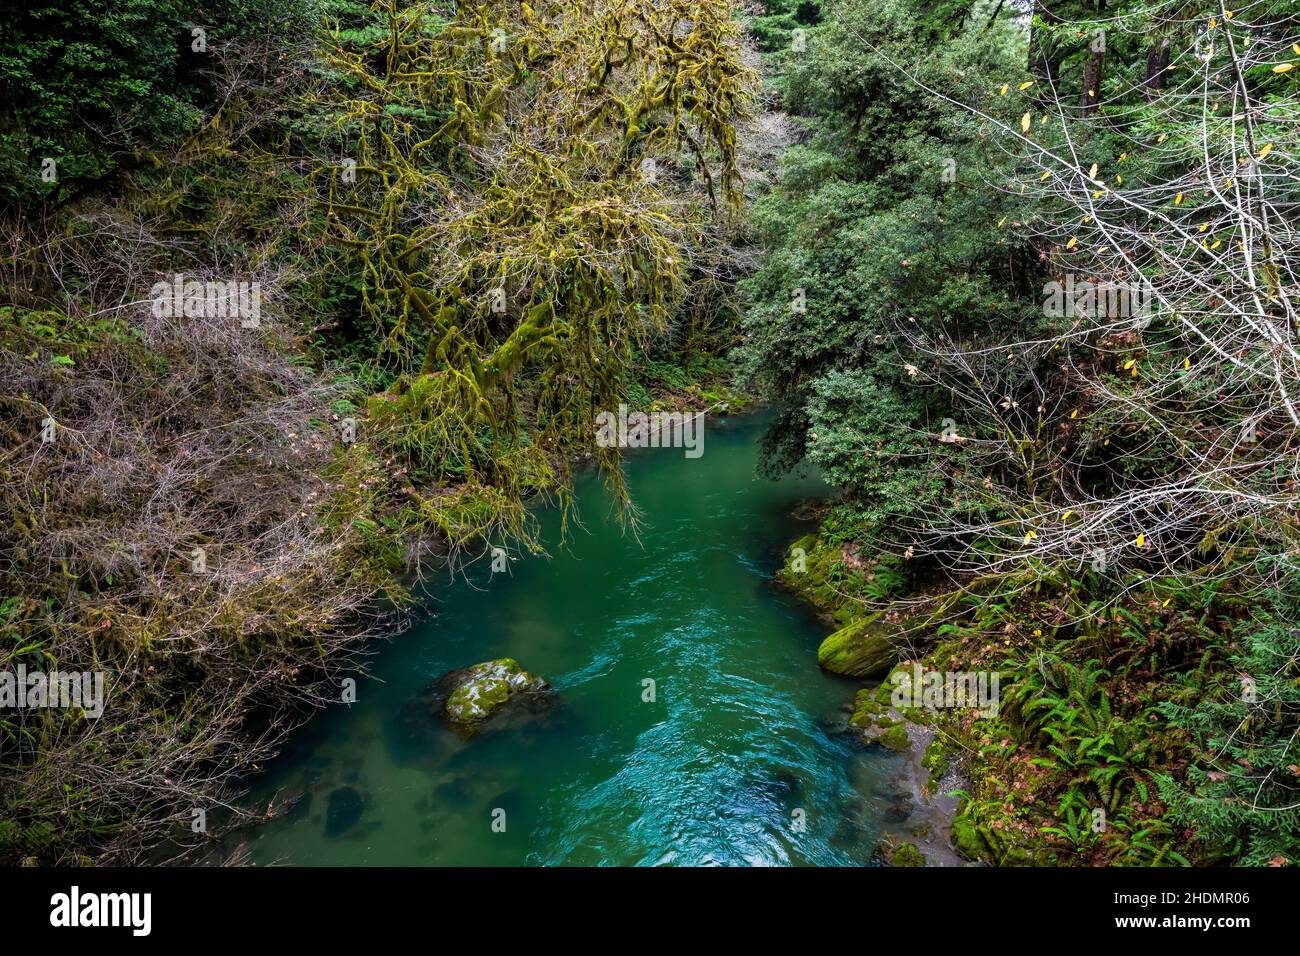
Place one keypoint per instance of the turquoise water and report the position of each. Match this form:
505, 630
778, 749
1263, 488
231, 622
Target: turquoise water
733, 762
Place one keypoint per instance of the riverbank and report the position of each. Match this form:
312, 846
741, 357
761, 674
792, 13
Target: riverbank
1027, 501
1061, 760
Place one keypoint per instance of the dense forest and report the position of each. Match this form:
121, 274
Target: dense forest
301, 297
1043, 340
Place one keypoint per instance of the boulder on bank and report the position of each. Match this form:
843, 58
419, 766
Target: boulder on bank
475, 694
865, 648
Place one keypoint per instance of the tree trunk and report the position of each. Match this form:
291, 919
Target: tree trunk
1092, 77
1157, 68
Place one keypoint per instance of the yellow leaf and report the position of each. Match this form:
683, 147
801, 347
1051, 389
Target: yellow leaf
1296, 47
1066, 515
1074, 414
1025, 85
1134, 373
1092, 173
1162, 137
1030, 537
1283, 67
1129, 364
1123, 156
1002, 222
1044, 176
1024, 123
1268, 148
1187, 363
1003, 91
1166, 602
1204, 226
1142, 540
1072, 243
1178, 200
1227, 14
1217, 243
1119, 180
1103, 250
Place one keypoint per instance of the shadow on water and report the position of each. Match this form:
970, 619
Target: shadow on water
692, 725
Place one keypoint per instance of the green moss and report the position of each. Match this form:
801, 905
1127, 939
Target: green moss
935, 759
484, 688
907, 855
866, 709
966, 837
895, 738
864, 648
813, 571
884, 693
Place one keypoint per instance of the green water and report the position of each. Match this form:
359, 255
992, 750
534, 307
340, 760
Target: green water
723, 767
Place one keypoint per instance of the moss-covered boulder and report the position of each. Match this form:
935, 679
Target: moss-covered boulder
813, 572
907, 855
966, 838
865, 648
879, 724
895, 850
475, 694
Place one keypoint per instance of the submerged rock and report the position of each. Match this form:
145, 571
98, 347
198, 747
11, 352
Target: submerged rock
344, 811
474, 694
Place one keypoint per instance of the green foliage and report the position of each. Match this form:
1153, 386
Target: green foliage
1242, 795
93, 85
869, 245
907, 251
1066, 771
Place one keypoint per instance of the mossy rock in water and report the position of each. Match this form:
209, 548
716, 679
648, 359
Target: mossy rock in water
867, 709
479, 692
865, 648
879, 724
895, 851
